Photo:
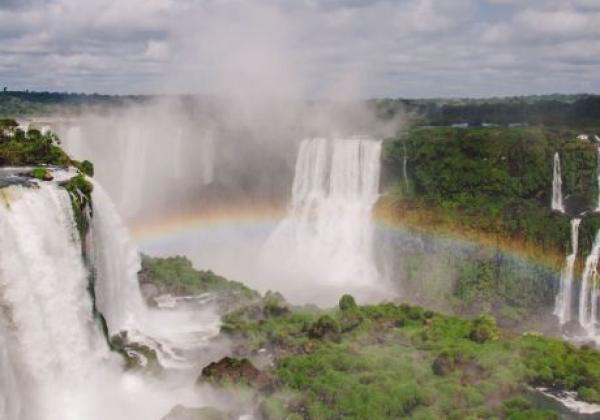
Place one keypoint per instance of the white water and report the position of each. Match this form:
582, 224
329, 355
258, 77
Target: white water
405, 166
588, 297
557, 198
150, 142
564, 299
11, 401
54, 360
49, 314
119, 299
117, 263
326, 239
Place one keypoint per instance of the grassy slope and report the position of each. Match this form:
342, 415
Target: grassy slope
177, 276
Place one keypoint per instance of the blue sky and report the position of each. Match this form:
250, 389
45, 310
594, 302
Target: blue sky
302, 48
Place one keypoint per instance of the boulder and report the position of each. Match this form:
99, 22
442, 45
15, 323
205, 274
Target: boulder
235, 371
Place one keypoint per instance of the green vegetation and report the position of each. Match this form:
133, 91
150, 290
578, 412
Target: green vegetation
549, 110
177, 276
402, 361
493, 186
80, 191
45, 103
18, 148
41, 173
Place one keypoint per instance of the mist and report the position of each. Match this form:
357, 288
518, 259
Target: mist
234, 144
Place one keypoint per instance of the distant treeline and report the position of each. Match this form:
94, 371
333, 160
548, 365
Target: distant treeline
19, 103
550, 110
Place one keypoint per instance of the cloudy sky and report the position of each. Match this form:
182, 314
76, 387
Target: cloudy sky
407, 48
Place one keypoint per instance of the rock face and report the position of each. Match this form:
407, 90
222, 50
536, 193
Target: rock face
180, 412
235, 371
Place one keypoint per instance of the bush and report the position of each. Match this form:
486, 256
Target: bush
325, 327
347, 302
588, 394
41, 173
86, 167
484, 329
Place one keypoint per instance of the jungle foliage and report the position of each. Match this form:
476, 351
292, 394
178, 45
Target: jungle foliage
496, 180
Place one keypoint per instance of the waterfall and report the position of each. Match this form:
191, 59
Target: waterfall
117, 262
564, 299
11, 400
557, 198
327, 235
141, 139
47, 309
54, 360
588, 296
405, 166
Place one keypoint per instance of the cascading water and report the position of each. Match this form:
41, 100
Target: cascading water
588, 295
54, 360
405, 166
43, 284
141, 139
564, 298
117, 262
118, 296
11, 401
327, 235
557, 198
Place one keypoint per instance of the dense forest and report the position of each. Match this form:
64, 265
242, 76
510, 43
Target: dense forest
550, 110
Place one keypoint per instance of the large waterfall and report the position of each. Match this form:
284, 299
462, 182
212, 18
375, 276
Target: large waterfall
564, 298
54, 359
142, 139
557, 197
45, 303
327, 235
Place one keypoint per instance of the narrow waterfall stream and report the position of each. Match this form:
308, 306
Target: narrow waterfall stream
557, 197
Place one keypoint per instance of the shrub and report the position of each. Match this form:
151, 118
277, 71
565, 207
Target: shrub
484, 329
325, 327
86, 167
41, 173
347, 302
588, 394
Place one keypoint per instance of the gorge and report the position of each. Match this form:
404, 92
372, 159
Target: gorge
73, 312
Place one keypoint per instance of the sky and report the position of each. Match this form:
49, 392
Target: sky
302, 48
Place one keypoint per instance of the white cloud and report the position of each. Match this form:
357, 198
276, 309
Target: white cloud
278, 47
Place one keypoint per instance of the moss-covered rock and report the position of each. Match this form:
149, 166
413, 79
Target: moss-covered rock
136, 355
42, 174
232, 371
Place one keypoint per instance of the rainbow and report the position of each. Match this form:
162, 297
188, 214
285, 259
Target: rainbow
264, 216
178, 225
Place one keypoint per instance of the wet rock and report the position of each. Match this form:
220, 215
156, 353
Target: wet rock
235, 371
